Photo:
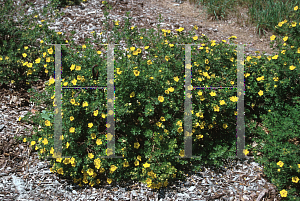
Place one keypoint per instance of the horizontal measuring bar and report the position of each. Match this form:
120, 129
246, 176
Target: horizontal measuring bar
97, 44
106, 87
213, 87
189, 44
81, 87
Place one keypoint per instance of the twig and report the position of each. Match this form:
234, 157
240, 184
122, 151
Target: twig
261, 195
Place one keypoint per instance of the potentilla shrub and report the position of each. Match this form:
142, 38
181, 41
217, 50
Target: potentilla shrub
149, 90
280, 79
280, 149
21, 47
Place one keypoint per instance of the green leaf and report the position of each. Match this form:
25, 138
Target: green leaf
47, 115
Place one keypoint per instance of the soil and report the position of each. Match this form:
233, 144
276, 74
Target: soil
236, 24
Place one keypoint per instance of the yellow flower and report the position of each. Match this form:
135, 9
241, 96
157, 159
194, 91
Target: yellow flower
51, 81
72, 67
272, 37
171, 89
222, 102
51, 150
199, 136
66, 161
139, 157
38, 60
96, 113
213, 93
295, 179
136, 72
180, 130
85, 181
74, 82
91, 155
260, 93
225, 126
72, 130
78, 68
260, 78
162, 119
132, 94
85, 104
60, 171
245, 151
32, 143
73, 102
179, 123
45, 141
97, 163
295, 8
71, 117
285, 38
50, 51
283, 193
216, 108
90, 125
280, 163
136, 163
292, 67
136, 145
112, 168
67, 144
99, 142
294, 24
126, 164
275, 79
181, 153
234, 99
176, 79
93, 135
90, 171
24, 55
47, 123
161, 98
180, 29
109, 181
146, 165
